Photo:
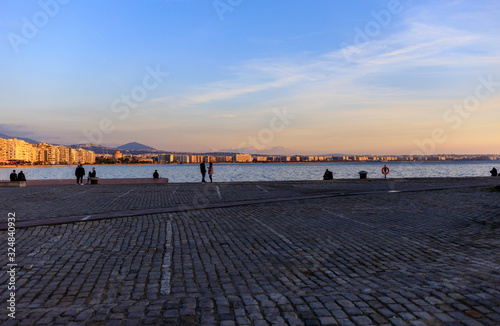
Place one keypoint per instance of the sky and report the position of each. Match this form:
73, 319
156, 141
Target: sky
277, 77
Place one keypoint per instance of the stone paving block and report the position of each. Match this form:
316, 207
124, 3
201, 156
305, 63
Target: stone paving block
345, 322
444, 317
397, 321
471, 322
327, 321
362, 320
305, 262
418, 323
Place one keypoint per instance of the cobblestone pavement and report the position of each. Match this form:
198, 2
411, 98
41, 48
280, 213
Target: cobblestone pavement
41, 202
420, 258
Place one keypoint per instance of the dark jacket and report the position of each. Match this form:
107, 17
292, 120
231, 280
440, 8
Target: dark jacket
203, 169
80, 171
21, 176
13, 176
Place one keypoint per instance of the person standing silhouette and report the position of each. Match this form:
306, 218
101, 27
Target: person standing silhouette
203, 171
210, 171
79, 173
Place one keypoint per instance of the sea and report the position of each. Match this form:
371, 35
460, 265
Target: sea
269, 171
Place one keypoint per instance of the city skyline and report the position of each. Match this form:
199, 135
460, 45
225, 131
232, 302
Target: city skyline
13, 151
370, 77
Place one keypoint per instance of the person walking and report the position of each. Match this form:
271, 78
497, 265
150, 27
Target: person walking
203, 171
211, 171
79, 173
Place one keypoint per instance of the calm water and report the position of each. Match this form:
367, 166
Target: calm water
269, 171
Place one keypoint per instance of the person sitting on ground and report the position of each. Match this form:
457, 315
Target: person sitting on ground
13, 176
156, 175
494, 172
328, 175
21, 176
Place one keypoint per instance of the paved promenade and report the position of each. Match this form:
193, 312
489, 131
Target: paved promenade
346, 252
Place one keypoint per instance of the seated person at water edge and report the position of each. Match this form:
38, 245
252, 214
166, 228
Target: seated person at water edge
156, 175
494, 172
328, 175
92, 174
13, 176
21, 176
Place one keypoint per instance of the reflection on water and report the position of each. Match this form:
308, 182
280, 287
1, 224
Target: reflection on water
268, 171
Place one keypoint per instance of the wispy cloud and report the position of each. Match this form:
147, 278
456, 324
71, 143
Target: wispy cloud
216, 92
418, 46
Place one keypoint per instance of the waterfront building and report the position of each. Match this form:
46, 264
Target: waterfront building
166, 158
85, 157
223, 159
52, 153
72, 156
14, 149
183, 158
117, 155
243, 158
209, 158
3, 150
19, 150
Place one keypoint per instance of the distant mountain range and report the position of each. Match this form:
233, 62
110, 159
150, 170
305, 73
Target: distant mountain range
134, 146
130, 148
28, 140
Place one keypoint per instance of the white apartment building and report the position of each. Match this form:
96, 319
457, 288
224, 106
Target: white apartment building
243, 158
18, 150
3, 150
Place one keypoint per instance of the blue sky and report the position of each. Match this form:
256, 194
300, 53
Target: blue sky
283, 77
